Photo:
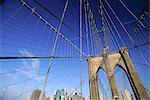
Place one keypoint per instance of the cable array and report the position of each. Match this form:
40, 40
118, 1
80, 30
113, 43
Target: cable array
35, 40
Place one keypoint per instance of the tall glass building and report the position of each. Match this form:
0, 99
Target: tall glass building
58, 95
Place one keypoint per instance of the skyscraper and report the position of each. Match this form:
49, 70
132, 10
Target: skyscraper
35, 95
58, 95
64, 94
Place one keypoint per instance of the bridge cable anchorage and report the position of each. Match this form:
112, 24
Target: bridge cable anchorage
126, 31
53, 28
54, 47
131, 12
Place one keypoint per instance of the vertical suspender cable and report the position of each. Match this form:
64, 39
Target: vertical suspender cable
114, 25
103, 23
54, 47
112, 32
93, 26
51, 26
127, 33
86, 26
81, 45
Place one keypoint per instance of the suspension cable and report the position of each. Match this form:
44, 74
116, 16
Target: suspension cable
131, 12
126, 32
86, 26
49, 12
81, 46
117, 45
54, 47
93, 25
51, 26
114, 25
103, 23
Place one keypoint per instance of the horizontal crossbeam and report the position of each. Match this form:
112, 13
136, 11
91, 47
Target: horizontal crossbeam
35, 57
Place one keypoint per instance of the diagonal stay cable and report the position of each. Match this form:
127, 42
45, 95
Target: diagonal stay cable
15, 83
49, 12
51, 26
131, 12
93, 24
59, 18
23, 93
142, 64
86, 28
29, 79
111, 30
141, 45
23, 24
103, 23
14, 13
113, 25
25, 70
54, 47
126, 31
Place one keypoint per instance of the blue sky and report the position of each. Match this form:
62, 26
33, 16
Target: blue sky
23, 34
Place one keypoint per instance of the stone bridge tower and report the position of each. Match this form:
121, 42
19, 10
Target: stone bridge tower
108, 61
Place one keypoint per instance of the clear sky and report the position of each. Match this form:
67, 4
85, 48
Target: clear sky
23, 34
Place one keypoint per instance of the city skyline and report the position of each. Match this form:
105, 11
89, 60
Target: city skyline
58, 95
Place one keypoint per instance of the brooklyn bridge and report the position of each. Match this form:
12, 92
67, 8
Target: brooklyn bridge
74, 50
